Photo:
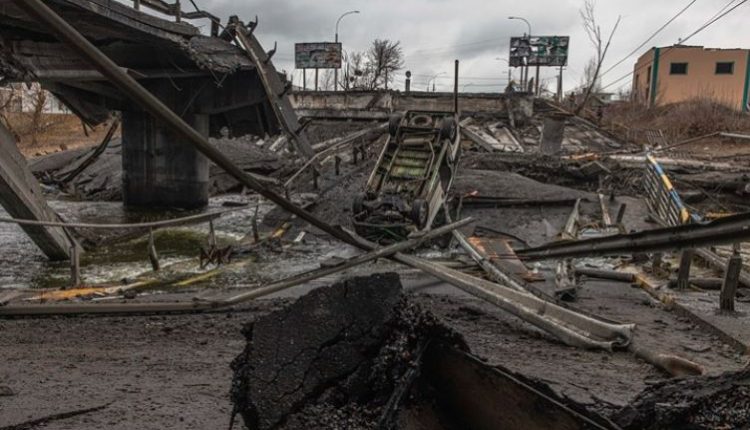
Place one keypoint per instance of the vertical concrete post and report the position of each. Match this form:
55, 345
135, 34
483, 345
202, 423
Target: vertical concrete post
160, 169
553, 132
731, 281
75, 267
153, 256
683, 275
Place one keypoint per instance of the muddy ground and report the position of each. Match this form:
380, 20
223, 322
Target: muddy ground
157, 372
173, 371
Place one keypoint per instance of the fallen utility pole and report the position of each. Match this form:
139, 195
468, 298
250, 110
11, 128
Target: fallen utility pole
570, 327
727, 230
481, 259
209, 305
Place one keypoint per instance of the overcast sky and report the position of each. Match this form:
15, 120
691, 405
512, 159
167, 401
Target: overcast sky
435, 32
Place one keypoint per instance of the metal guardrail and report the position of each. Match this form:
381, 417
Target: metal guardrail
175, 10
661, 197
212, 254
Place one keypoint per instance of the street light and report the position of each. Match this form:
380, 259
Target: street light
466, 85
433, 81
524, 20
336, 71
536, 81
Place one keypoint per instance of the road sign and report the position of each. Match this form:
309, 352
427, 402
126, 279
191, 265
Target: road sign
323, 55
549, 51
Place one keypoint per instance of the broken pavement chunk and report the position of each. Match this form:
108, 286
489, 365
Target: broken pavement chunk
715, 402
338, 353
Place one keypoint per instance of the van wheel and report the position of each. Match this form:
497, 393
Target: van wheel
448, 129
358, 204
419, 213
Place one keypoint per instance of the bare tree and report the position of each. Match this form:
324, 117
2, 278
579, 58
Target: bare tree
588, 79
384, 59
594, 32
327, 80
357, 71
38, 98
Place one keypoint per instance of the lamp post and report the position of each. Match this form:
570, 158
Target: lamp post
336, 71
463, 90
433, 81
536, 80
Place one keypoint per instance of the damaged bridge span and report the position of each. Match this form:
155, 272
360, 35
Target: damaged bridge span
210, 82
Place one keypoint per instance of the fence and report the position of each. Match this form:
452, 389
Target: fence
662, 198
212, 255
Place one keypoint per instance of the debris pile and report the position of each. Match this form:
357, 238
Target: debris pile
102, 180
340, 357
716, 402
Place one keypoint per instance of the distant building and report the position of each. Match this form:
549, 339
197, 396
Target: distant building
679, 73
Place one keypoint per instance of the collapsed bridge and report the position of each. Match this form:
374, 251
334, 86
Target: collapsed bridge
211, 83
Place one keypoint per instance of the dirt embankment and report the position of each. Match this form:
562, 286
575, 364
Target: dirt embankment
52, 133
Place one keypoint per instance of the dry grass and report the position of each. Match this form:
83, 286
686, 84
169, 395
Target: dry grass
56, 132
681, 121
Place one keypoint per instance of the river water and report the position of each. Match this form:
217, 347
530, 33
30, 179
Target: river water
23, 265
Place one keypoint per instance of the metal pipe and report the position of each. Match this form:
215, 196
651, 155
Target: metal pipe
727, 230
568, 326
455, 90
335, 70
610, 275
571, 328
155, 224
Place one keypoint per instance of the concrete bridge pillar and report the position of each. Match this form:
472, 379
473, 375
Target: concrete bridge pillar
160, 169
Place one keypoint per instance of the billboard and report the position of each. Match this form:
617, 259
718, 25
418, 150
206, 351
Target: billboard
549, 51
324, 55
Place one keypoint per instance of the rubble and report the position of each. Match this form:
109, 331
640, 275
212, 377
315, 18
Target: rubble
477, 331
715, 402
334, 358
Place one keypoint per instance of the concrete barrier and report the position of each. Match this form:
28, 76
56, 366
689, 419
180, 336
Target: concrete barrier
368, 105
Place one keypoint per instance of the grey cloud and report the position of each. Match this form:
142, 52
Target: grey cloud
434, 32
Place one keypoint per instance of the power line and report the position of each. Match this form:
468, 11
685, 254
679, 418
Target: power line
712, 21
682, 41
656, 33
476, 78
459, 45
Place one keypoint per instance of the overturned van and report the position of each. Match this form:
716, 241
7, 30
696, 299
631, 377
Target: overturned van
411, 179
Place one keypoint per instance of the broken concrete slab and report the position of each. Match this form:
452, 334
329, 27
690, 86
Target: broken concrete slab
715, 402
22, 198
334, 358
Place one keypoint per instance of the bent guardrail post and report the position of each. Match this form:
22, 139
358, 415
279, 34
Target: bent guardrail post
724, 231
207, 304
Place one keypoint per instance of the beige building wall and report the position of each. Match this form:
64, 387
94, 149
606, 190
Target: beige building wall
655, 84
